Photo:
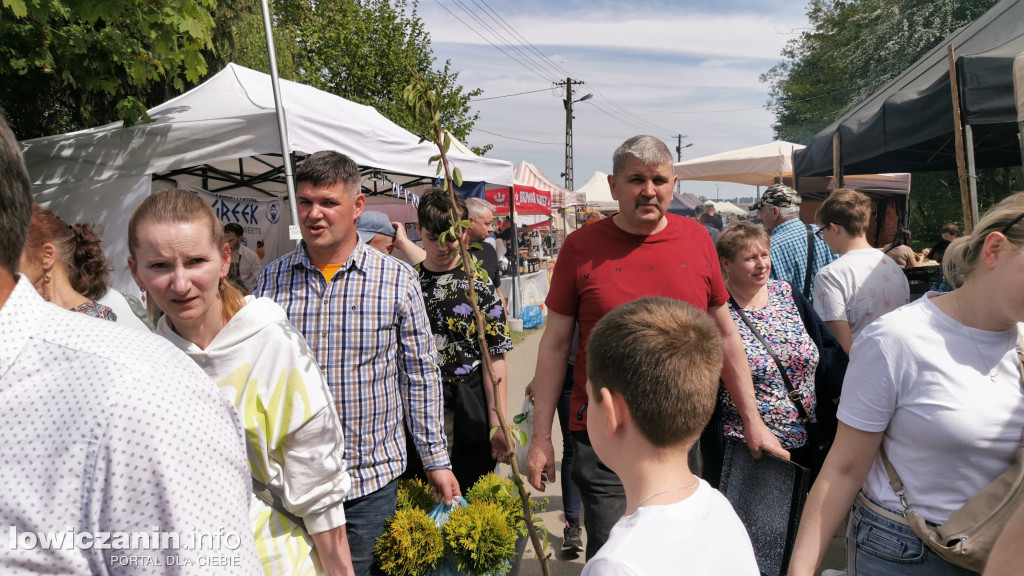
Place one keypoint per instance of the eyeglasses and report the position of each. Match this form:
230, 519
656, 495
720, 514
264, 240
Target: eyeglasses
820, 233
1012, 222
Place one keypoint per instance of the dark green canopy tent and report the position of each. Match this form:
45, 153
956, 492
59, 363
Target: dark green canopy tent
908, 125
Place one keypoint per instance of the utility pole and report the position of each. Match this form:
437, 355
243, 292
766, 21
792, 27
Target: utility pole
679, 153
568, 102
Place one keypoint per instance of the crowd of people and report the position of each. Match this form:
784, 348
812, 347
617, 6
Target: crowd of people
281, 405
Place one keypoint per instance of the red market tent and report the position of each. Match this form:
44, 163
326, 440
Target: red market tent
528, 175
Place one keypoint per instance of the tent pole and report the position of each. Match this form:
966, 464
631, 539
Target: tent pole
958, 139
516, 302
1020, 137
282, 125
837, 160
972, 175
792, 161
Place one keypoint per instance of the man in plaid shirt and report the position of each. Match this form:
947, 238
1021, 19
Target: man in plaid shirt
779, 209
362, 314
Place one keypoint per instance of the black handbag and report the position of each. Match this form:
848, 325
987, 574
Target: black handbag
768, 495
818, 442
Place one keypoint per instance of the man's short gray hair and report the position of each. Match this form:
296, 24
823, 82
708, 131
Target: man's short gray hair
789, 211
647, 149
477, 207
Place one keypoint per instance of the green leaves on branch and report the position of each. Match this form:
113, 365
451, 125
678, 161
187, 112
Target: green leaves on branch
68, 64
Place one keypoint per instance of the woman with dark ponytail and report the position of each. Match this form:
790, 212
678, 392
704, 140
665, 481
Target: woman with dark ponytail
66, 264
900, 251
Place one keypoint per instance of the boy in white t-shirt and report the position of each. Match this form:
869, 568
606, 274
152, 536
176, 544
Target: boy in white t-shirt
864, 283
653, 366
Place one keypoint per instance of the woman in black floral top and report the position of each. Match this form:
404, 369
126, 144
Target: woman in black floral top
66, 264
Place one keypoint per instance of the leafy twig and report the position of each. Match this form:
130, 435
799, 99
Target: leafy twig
423, 102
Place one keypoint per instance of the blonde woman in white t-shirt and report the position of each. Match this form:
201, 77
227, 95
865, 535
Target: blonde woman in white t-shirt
937, 383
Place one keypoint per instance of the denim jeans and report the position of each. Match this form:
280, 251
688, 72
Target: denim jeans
364, 523
570, 493
878, 546
604, 500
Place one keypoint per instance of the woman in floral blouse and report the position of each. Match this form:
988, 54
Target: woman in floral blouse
782, 317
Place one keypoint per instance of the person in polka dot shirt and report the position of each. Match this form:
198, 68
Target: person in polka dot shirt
118, 455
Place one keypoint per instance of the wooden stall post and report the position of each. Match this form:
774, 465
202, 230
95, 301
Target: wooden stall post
961, 167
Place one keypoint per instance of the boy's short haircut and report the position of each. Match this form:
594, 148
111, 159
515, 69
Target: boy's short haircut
847, 208
664, 357
433, 212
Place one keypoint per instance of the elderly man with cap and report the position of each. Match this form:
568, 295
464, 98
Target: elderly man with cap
779, 209
376, 229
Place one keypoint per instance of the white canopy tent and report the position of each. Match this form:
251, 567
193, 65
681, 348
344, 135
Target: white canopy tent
727, 208
762, 165
598, 193
222, 136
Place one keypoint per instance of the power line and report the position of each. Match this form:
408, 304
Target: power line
509, 95
485, 39
522, 55
518, 139
552, 64
610, 108
514, 44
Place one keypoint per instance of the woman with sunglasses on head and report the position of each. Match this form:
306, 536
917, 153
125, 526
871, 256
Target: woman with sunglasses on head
949, 423
263, 366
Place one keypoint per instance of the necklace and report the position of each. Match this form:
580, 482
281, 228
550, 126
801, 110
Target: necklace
993, 376
663, 492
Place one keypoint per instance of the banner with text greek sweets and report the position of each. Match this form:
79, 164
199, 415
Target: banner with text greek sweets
264, 221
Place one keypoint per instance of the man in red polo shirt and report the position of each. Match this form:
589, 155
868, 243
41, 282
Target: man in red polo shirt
640, 251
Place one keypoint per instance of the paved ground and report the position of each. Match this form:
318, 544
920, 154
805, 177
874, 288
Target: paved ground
521, 364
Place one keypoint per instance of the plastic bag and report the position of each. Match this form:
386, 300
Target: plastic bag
524, 421
446, 567
533, 317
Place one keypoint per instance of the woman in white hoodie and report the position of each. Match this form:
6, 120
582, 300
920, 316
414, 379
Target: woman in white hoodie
263, 365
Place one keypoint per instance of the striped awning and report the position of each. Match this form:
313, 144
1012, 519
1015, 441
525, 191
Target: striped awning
529, 175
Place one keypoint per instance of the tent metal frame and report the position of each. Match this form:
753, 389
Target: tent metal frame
275, 175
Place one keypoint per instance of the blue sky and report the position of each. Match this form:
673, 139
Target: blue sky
661, 68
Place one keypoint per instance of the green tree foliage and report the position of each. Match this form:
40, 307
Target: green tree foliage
366, 51
71, 64
853, 48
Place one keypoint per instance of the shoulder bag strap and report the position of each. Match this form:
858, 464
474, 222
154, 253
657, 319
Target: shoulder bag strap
810, 261
792, 392
894, 478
